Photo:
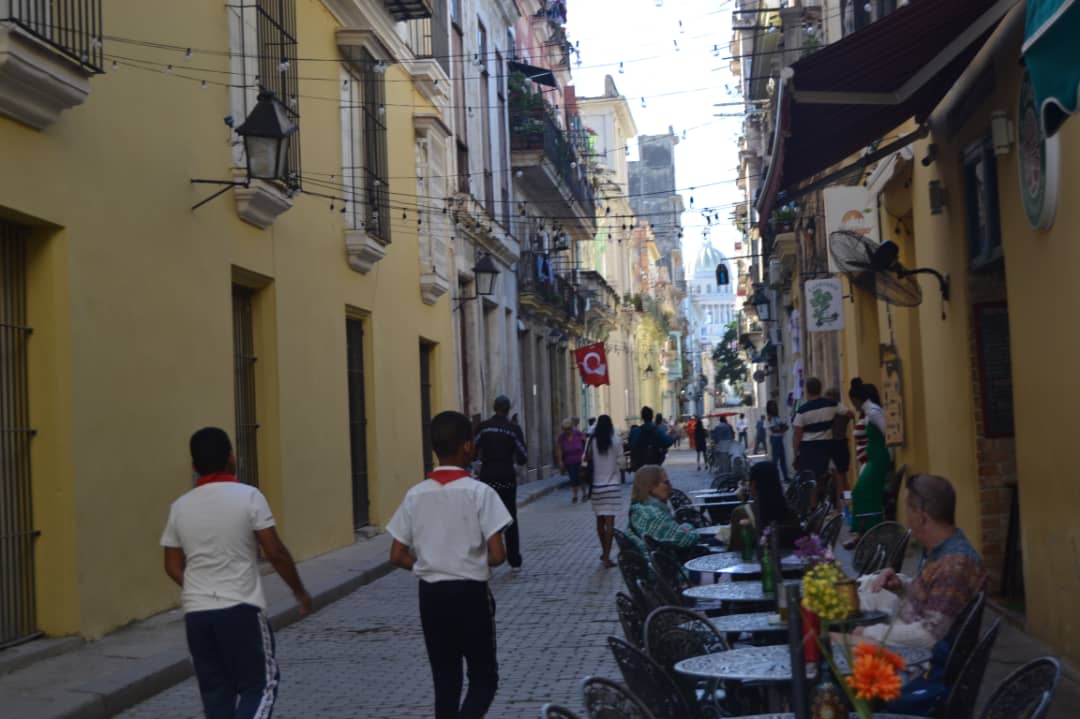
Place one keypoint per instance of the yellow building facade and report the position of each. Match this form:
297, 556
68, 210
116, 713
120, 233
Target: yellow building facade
987, 398
136, 302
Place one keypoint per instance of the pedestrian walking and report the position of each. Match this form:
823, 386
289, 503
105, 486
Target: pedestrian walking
777, 429
648, 443
447, 532
499, 446
741, 426
867, 495
812, 438
211, 543
691, 432
701, 442
569, 449
841, 455
602, 455
759, 436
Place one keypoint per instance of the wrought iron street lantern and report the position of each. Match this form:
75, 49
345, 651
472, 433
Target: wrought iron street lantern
486, 272
649, 372
267, 134
762, 305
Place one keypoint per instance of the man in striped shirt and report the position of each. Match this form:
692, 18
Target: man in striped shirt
812, 438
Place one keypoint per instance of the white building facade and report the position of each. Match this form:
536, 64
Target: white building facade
712, 309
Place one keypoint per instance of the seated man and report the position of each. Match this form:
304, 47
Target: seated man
950, 572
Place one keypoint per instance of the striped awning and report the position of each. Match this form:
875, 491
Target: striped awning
1050, 37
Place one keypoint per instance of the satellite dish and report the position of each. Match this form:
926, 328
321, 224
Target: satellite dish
876, 269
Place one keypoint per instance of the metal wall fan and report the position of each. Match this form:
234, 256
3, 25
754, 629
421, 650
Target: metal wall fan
876, 269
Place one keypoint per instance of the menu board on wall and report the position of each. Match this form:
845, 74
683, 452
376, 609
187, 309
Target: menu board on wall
995, 368
892, 403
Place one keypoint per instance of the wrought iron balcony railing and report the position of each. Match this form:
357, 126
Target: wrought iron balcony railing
535, 130
72, 27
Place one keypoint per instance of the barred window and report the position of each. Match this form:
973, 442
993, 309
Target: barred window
364, 154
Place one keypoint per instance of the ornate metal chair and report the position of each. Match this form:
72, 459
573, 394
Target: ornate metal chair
962, 637
606, 699
816, 520
661, 620
1026, 693
651, 682
625, 543
690, 515
885, 535
631, 618
635, 568
679, 499
831, 531
964, 691
554, 711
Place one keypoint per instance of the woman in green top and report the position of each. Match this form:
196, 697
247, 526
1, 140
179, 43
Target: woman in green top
868, 494
650, 514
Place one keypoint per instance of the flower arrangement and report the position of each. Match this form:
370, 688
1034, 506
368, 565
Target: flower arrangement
875, 671
812, 551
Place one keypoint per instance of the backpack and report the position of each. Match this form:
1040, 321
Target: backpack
647, 450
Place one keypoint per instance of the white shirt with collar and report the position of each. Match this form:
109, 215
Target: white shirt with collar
447, 526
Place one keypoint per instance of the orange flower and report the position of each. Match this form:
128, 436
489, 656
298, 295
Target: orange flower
874, 677
876, 650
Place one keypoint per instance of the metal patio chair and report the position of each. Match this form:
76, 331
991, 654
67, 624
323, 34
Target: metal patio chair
607, 699
651, 682
885, 535
631, 618
554, 711
963, 692
1026, 693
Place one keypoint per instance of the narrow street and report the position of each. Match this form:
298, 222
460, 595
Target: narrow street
364, 655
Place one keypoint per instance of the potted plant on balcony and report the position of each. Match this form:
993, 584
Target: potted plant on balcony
783, 219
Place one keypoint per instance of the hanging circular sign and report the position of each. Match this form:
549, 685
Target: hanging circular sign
1039, 161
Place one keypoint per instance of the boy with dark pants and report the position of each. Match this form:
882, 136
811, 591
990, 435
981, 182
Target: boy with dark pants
211, 546
448, 532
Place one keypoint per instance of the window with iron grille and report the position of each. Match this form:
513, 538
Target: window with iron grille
72, 27
426, 350
18, 621
268, 58
364, 152
247, 425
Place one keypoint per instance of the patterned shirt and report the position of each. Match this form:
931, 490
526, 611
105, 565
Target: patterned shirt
653, 518
949, 576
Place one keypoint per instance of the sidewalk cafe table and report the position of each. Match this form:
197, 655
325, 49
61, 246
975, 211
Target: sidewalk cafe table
708, 532
768, 622
791, 567
853, 716
770, 663
730, 592
711, 563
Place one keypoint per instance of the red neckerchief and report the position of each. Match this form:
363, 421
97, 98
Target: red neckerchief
448, 475
215, 477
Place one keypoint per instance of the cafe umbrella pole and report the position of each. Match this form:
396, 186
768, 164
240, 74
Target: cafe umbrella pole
799, 704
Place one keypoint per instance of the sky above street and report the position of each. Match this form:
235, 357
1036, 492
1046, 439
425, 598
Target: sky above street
676, 57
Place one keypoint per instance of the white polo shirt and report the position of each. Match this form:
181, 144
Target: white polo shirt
447, 526
215, 526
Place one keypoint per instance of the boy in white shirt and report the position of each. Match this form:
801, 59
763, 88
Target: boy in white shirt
211, 546
448, 532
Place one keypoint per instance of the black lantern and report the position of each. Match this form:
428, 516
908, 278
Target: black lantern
762, 305
487, 272
649, 372
267, 134
722, 276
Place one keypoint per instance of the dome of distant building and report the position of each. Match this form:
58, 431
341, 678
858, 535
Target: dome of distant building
708, 259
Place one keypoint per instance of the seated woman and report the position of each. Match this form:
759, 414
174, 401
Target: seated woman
768, 507
650, 514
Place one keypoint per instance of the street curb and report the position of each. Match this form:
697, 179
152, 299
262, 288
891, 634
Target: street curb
116, 692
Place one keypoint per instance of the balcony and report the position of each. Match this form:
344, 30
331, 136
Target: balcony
49, 50
408, 9
549, 166
543, 291
429, 37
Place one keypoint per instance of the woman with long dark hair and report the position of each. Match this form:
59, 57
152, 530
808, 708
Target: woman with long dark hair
602, 454
769, 508
867, 496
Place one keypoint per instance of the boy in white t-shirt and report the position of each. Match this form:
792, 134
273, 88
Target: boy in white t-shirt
448, 531
211, 546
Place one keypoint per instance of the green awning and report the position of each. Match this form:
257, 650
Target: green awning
1050, 38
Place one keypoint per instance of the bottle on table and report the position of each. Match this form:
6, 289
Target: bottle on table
825, 699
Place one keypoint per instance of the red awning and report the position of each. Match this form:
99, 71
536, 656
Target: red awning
845, 96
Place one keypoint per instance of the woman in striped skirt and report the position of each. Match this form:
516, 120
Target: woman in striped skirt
602, 455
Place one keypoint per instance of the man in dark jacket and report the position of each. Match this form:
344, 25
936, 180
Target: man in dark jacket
500, 445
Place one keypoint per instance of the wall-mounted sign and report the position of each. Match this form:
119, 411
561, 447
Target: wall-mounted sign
1039, 162
892, 403
852, 209
824, 305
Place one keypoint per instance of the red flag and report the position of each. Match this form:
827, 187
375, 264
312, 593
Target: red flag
592, 363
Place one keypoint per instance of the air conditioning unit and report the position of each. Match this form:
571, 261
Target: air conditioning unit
776, 272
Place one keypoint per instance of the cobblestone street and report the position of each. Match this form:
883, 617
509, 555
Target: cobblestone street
364, 656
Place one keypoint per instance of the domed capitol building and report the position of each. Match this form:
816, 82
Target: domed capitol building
711, 310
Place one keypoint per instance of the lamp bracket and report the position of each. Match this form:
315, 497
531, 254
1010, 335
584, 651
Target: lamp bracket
228, 185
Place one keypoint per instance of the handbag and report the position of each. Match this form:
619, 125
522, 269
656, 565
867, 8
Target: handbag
585, 473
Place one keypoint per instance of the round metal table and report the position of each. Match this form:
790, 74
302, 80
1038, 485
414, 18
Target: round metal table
758, 622
713, 562
730, 592
791, 567
708, 532
769, 663
853, 716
